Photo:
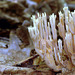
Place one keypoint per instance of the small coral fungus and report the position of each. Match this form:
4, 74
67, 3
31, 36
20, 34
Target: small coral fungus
55, 45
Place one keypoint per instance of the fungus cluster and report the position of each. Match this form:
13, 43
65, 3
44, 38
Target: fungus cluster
55, 43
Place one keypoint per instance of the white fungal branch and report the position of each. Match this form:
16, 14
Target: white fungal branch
71, 24
66, 13
60, 45
69, 42
61, 25
52, 22
73, 14
48, 46
67, 28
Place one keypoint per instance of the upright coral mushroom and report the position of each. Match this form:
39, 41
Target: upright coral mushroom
58, 53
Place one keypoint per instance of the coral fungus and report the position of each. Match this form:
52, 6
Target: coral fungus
58, 53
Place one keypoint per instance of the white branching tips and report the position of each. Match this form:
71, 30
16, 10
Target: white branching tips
61, 25
55, 45
52, 22
66, 12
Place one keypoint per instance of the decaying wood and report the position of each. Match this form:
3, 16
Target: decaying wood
10, 70
6, 70
26, 62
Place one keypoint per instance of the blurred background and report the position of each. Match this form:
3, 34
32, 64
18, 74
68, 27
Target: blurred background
15, 13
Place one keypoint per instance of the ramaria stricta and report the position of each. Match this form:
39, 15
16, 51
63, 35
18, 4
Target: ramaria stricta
58, 53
